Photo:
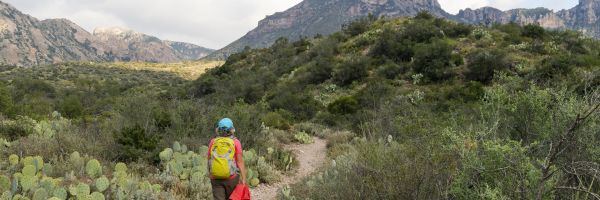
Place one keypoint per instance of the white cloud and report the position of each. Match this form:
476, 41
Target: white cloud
209, 23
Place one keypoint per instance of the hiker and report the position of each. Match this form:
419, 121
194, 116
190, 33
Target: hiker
225, 161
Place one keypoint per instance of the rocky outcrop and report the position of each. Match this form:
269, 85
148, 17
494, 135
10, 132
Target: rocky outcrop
583, 17
312, 17
26, 41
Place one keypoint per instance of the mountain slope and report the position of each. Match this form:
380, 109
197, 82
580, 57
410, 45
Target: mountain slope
312, 17
583, 17
27, 41
188, 51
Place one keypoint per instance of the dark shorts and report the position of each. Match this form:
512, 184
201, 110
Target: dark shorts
222, 189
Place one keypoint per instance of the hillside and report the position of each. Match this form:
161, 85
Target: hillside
310, 18
26, 41
437, 110
407, 108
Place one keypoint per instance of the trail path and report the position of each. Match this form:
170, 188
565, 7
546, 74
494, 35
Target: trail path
309, 156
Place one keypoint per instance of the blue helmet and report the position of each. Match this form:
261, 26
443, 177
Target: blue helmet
225, 124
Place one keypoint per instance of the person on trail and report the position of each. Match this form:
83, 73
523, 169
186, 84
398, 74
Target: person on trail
225, 161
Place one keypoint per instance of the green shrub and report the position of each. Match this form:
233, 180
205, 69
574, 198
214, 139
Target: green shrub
352, 70
344, 105
276, 120
484, 63
534, 31
358, 26
433, 60
391, 45
391, 70
71, 107
301, 104
135, 143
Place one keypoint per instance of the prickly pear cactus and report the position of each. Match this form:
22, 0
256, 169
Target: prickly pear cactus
176, 147
121, 167
4, 184
303, 138
102, 184
166, 154
28, 182
40, 194
93, 168
13, 160
97, 196
60, 193
29, 170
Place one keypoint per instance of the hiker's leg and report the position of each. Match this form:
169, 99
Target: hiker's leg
218, 189
230, 185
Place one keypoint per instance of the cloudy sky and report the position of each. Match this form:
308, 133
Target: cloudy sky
209, 23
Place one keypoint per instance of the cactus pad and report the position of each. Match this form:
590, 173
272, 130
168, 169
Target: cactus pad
102, 184
97, 196
4, 184
176, 146
60, 193
121, 167
13, 160
28, 182
40, 194
82, 189
93, 168
166, 154
29, 170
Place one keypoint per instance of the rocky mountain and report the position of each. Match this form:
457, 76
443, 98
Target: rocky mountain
584, 17
312, 17
27, 41
189, 51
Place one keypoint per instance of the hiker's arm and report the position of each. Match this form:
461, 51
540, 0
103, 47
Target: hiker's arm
242, 165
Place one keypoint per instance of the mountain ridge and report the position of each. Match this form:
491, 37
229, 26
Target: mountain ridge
27, 41
583, 17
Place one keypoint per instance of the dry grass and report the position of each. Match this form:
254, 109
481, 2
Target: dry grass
188, 70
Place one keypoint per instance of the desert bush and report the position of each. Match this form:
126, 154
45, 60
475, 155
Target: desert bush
358, 26
344, 105
135, 143
483, 64
433, 60
276, 120
534, 31
356, 68
391, 45
372, 172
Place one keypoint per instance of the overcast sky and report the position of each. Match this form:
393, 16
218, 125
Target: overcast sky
209, 23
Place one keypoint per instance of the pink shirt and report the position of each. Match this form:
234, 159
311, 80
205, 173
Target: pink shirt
238, 151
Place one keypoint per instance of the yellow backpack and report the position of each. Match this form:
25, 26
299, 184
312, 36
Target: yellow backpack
222, 162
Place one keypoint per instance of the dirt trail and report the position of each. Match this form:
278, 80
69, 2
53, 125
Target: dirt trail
309, 156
